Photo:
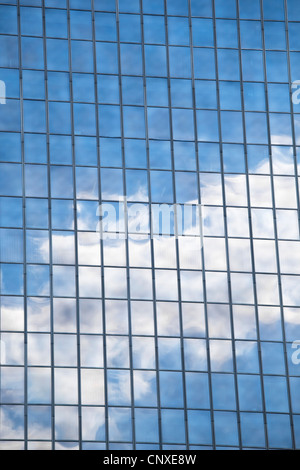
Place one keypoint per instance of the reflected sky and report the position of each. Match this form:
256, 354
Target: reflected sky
190, 106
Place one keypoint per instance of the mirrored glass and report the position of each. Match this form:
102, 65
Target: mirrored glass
93, 425
56, 23
117, 352
154, 29
66, 423
11, 279
38, 314
145, 392
250, 394
146, 425
226, 428
39, 422
178, 31
279, 431
39, 385
12, 389
223, 391
251, 34
142, 318
90, 315
119, 423
89, 282
107, 57
130, 28
173, 426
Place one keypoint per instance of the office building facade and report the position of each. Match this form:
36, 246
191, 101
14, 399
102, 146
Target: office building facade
149, 224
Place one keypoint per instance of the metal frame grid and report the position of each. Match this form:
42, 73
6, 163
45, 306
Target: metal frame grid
162, 442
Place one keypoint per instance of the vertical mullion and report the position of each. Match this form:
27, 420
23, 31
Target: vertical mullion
276, 232
201, 214
101, 240
226, 232
151, 234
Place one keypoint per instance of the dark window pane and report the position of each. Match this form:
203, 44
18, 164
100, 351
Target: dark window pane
109, 121
203, 32
34, 116
249, 10
108, 89
84, 119
56, 23
180, 62
131, 59
105, 27
81, 25
129, 6
10, 148
82, 56
179, 31
157, 92
57, 54
251, 35
135, 153
154, 30
86, 151
36, 213
83, 87
58, 86
60, 118
132, 90
134, 122
61, 182
32, 53
204, 63
11, 212
36, 181
31, 21
130, 28
60, 149
153, 6
178, 7
107, 57
33, 84
35, 147
110, 152
104, 5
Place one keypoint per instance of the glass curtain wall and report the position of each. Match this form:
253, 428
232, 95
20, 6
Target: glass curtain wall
122, 329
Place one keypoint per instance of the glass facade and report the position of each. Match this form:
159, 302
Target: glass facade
127, 333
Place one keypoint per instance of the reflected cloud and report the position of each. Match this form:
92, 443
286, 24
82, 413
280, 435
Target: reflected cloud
283, 160
92, 386
11, 314
12, 422
118, 384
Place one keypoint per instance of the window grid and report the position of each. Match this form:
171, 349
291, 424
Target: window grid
280, 272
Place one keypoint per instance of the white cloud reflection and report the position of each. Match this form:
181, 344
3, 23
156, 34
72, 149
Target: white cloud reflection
165, 260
